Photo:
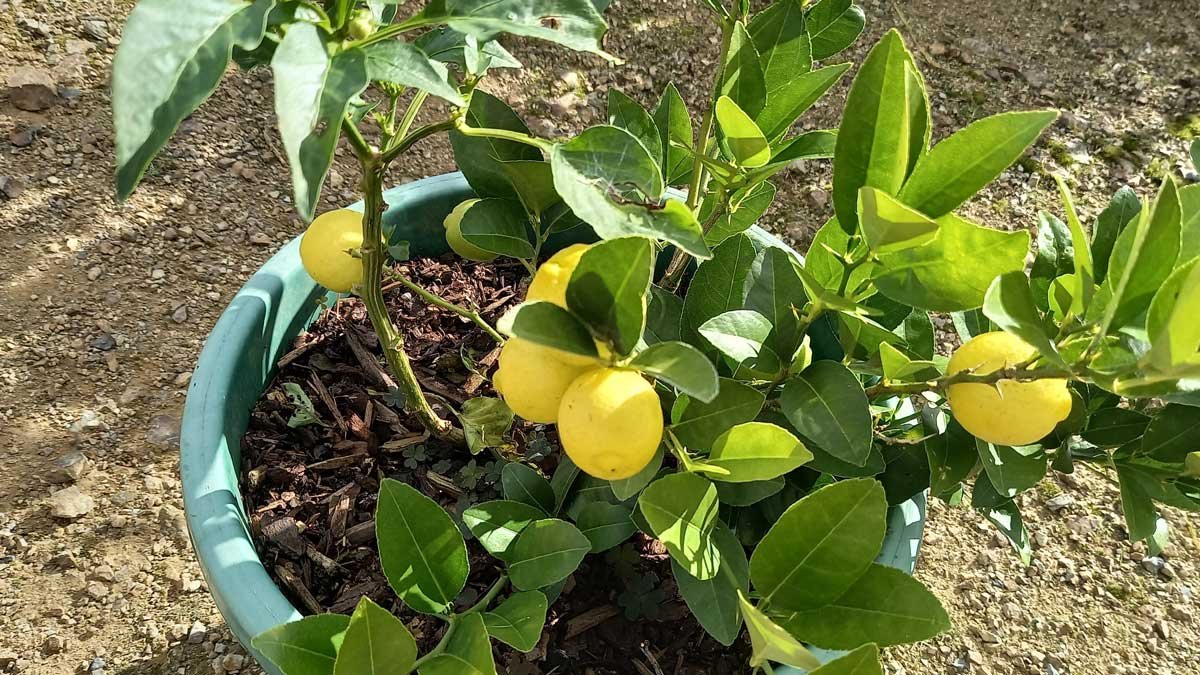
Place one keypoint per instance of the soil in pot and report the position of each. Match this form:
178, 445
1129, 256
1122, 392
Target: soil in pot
313, 462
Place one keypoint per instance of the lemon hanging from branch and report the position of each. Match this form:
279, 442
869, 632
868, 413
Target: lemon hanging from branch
610, 422
328, 250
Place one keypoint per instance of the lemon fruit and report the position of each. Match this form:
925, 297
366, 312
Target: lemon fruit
610, 422
454, 237
1007, 412
325, 250
532, 378
550, 282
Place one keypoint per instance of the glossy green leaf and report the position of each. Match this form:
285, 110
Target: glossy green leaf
770, 642
522, 483
889, 225
787, 104
820, 546
605, 525
167, 64
664, 316
545, 552
714, 601
884, 606
1114, 427
575, 24
1055, 257
402, 63
1011, 470
742, 77
952, 456
744, 210
822, 260
679, 365
1171, 323
481, 159
958, 167
485, 421
861, 661
818, 144
468, 651
498, 226
627, 488
450, 46
548, 324
312, 92
608, 290
1083, 280
1173, 434
533, 183
1143, 258
697, 424
565, 475
907, 471
674, 124
756, 451
497, 523
1189, 200
305, 647
738, 334
421, 550
834, 25
718, 284
873, 140
1141, 518
741, 139
783, 45
775, 290
376, 643
518, 621
951, 273
681, 509
898, 367
628, 114
746, 494
1004, 514
1010, 305
1121, 211
827, 405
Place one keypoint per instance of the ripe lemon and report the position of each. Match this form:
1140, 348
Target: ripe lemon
1008, 412
532, 378
453, 225
610, 422
550, 282
325, 250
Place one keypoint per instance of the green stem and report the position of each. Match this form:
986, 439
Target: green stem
706, 126
679, 261
814, 311
441, 645
490, 595
445, 304
465, 129
410, 115
966, 377
412, 138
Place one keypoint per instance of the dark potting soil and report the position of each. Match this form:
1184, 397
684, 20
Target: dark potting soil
310, 489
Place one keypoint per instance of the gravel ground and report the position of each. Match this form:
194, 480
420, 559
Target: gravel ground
105, 307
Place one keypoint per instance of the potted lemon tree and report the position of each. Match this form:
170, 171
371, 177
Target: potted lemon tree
753, 411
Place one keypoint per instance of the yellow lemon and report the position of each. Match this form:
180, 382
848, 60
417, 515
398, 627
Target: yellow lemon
325, 250
550, 282
532, 378
610, 422
1008, 412
453, 225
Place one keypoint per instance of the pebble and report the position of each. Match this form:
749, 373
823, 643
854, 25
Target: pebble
68, 468
197, 634
180, 314
54, 644
70, 503
103, 342
1060, 502
31, 89
95, 29
164, 431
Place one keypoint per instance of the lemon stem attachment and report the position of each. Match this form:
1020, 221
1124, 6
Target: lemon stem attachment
1015, 374
472, 315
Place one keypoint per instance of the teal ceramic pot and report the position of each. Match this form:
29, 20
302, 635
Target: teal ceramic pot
238, 363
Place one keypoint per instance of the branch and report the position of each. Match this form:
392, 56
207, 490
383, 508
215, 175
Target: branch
411, 139
1015, 374
504, 134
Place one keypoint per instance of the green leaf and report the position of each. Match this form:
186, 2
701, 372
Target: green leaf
167, 64
376, 643
889, 225
898, 367
674, 124
1004, 514
817, 549
718, 284
817, 144
563, 479
663, 316
745, 208
827, 405
741, 139
1009, 304
401, 63
548, 324
627, 488
312, 92
951, 273
907, 471
1172, 434
770, 642
679, 365
1171, 323
497, 523
1114, 427
681, 509
1143, 258
546, 552
524, 484
575, 24
873, 140
739, 334
775, 290
787, 104
498, 226
1121, 211
1141, 518
305, 647
518, 621
468, 651
533, 182
952, 457
884, 606
834, 25
755, 451
605, 525
714, 602
421, 550
626, 113
746, 494
1055, 257
742, 77
958, 167
608, 290
450, 46
485, 422
697, 424
611, 181
1189, 200
783, 45
1011, 470
1082, 282
861, 661
481, 159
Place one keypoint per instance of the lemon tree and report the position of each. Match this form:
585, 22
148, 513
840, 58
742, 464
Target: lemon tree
755, 410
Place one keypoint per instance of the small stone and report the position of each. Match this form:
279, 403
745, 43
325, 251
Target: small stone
1060, 502
180, 314
103, 342
96, 665
232, 663
96, 590
8, 659
197, 634
173, 522
95, 29
68, 468
164, 431
24, 136
1153, 564
260, 239
88, 419
31, 89
70, 503
182, 379
64, 561
11, 187
54, 644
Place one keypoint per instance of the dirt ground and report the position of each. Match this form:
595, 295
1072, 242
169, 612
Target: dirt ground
104, 307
